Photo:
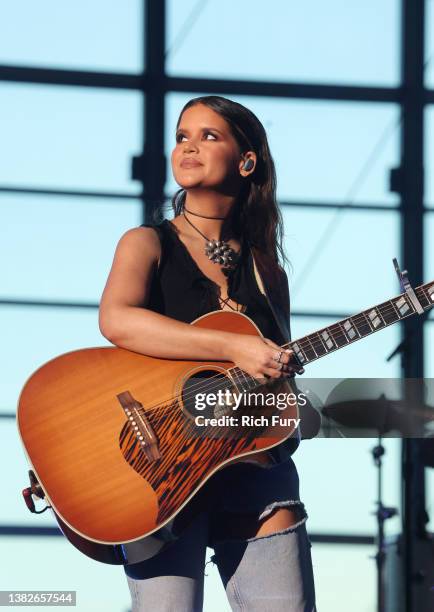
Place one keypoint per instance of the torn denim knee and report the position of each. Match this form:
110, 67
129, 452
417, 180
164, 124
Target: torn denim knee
285, 504
282, 504
266, 512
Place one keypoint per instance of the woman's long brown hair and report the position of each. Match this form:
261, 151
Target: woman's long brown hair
256, 216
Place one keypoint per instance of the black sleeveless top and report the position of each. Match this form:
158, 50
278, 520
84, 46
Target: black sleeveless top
180, 290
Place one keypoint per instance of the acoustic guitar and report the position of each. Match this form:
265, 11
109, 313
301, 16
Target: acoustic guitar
119, 445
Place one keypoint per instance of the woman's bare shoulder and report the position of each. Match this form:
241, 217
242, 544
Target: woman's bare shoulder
144, 240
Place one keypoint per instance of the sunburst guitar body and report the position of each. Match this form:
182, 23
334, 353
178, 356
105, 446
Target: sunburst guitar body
112, 438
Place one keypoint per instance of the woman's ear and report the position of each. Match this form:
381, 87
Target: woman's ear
248, 163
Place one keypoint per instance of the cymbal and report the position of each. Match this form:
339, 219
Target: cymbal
381, 415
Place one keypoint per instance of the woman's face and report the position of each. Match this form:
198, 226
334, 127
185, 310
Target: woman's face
206, 155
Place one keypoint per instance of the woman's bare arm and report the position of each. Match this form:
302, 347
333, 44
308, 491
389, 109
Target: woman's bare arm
124, 319
126, 322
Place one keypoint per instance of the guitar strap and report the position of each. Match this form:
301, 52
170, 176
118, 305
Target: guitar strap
273, 284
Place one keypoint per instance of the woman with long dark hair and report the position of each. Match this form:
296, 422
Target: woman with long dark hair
222, 250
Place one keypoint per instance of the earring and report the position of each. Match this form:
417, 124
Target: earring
248, 165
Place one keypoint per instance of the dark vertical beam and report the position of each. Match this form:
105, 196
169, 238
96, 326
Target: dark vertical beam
150, 167
155, 171
412, 164
409, 182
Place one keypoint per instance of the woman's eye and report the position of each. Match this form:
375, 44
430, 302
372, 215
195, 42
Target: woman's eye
179, 137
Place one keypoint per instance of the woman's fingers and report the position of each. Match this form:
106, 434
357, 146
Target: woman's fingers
279, 357
274, 372
279, 360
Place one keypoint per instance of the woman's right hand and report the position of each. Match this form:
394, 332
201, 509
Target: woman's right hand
259, 357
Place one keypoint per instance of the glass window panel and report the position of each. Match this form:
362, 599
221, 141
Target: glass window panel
429, 155
69, 137
103, 35
352, 269
324, 151
60, 248
51, 563
429, 247
215, 599
429, 349
365, 358
342, 473
306, 41
31, 336
340, 572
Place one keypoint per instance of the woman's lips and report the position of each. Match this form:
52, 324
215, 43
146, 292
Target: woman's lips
190, 163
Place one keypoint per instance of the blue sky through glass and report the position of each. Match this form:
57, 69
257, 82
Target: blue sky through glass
327, 42
69, 137
102, 35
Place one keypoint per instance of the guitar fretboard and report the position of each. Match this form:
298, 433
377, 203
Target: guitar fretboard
349, 330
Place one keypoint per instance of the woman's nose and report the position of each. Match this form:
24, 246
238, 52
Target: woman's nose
190, 145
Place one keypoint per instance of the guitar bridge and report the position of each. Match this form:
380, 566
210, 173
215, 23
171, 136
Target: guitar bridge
141, 426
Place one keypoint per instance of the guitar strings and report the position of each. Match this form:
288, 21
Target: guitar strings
212, 428
190, 429
306, 341
303, 343
358, 318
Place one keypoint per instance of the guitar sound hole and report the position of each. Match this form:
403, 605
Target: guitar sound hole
201, 394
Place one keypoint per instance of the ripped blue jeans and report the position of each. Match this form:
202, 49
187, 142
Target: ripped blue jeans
270, 573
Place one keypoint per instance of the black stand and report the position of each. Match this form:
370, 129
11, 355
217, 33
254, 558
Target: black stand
414, 513
383, 513
413, 480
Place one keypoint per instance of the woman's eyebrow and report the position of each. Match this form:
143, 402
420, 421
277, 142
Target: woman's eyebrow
204, 129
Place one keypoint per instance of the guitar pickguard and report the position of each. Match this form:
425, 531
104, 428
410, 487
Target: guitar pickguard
180, 447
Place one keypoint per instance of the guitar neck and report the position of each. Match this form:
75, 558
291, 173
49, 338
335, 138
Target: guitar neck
344, 332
